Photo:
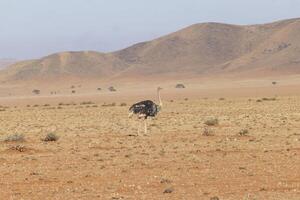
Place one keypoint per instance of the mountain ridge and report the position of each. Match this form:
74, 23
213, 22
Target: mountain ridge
204, 49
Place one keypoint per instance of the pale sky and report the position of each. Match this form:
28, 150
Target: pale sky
35, 28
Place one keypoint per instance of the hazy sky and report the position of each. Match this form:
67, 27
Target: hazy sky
34, 28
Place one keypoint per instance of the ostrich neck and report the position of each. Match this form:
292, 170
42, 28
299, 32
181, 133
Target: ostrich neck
159, 99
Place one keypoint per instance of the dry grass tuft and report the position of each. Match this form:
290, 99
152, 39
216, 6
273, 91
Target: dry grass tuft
207, 132
15, 138
212, 122
20, 148
50, 137
243, 132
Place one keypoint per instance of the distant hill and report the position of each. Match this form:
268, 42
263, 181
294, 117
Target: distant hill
66, 64
6, 62
206, 49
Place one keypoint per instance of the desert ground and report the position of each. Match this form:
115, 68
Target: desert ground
250, 151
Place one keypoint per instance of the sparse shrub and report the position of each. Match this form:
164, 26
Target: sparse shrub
73, 91
50, 137
259, 100
165, 180
112, 89
15, 138
221, 99
73, 86
36, 105
180, 86
243, 132
46, 105
123, 104
269, 99
168, 190
207, 132
212, 122
36, 91
66, 104
99, 89
108, 105
274, 82
186, 99
86, 103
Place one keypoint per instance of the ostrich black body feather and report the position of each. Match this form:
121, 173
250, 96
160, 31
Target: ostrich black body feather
145, 109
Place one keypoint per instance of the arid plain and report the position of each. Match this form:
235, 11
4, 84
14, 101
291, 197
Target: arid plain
231, 133
250, 151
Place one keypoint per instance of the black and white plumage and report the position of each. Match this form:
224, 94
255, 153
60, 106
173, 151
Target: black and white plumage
145, 109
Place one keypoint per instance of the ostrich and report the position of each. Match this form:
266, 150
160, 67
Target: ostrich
145, 109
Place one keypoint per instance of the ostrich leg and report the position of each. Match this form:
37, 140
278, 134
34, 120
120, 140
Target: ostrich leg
139, 126
145, 126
